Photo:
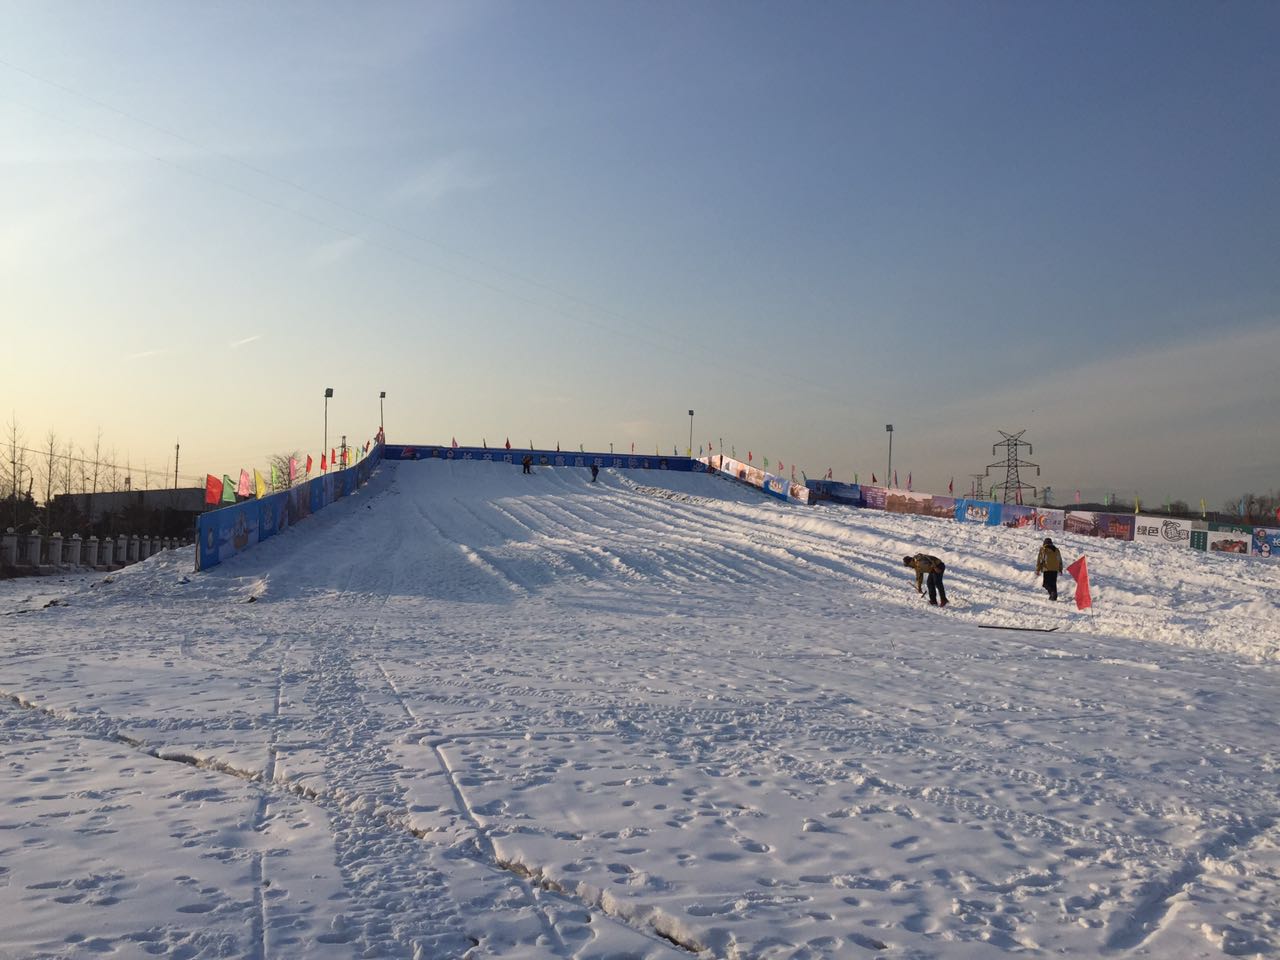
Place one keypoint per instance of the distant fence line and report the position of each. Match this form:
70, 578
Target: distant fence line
35, 553
1234, 538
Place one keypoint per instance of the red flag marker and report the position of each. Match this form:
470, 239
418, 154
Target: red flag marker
212, 488
1080, 573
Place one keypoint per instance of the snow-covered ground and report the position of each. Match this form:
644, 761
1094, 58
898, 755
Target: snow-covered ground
469, 713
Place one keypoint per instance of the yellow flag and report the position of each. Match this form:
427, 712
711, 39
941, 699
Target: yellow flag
260, 484
1136, 503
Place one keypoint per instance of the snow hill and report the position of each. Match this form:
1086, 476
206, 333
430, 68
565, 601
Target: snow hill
470, 713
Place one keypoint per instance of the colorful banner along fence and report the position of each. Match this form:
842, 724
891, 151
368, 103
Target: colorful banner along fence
1013, 515
1167, 531
773, 485
541, 458
221, 534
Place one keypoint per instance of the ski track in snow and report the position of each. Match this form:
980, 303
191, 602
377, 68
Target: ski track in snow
470, 713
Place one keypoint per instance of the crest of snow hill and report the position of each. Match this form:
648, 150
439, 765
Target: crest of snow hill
225, 532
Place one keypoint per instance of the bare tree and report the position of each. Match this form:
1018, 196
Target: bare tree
50, 478
280, 469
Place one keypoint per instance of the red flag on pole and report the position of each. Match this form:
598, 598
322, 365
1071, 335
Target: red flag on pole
333, 456
1080, 573
212, 488
951, 485
309, 462
748, 456
323, 468
873, 478
455, 443
508, 443
908, 479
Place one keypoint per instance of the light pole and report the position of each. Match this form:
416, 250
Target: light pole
382, 427
689, 452
328, 392
888, 476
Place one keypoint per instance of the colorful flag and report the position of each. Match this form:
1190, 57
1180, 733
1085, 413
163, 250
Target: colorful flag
951, 485
323, 465
908, 480
748, 456
1136, 503
829, 469
1202, 513
293, 470
766, 462
245, 488
508, 443
228, 489
309, 462
633, 446
333, 457
259, 484
275, 478
455, 443
1077, 496
895, 478
212, 488
873, 477
1080, 573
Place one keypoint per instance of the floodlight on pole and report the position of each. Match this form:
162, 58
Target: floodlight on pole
382, 427
888, 474
689, 452
328, 392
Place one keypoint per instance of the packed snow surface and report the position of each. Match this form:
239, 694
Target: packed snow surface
470, 713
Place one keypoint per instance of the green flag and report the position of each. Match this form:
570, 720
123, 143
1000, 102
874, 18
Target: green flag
228, 489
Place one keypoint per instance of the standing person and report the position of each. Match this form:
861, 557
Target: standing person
527, 463
595, 472
925, 565
1049, 562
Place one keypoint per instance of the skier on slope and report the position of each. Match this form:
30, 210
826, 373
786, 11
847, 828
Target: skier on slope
923, 564
1049, 562
595, 472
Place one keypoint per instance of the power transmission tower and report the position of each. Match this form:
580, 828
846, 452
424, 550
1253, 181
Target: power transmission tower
976, 486
1013, 486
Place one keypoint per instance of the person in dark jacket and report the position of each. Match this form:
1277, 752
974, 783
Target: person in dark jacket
933, 568
595, 472
527, 463
1049, 562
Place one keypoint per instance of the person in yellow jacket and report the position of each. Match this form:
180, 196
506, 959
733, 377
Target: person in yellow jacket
933, 568
1049, 562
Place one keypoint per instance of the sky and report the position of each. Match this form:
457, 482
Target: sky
573, 222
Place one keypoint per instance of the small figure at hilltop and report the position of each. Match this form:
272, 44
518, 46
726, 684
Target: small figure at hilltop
527, 463
1049, 562
925, 565
595, 472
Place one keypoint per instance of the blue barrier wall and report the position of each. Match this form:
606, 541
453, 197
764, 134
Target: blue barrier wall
223, 533
541, 458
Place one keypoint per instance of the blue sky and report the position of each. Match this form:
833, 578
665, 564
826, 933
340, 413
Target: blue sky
571, 222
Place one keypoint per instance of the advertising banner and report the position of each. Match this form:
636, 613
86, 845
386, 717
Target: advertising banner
774, 486
847, 493
904, 501
1229, 538
1266, 541
874, 497
1169, 531
542, 458
1048, 519
1110, 526
978, 511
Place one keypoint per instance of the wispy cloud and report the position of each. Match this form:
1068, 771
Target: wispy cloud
337, 251
247, 340
458, 173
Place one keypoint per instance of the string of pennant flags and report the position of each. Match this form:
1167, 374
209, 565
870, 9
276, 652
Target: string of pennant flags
256, 485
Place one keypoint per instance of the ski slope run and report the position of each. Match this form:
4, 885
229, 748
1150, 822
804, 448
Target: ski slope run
471, 713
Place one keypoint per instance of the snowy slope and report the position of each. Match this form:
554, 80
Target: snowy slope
470, 712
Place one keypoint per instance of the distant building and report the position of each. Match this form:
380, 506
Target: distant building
170, 512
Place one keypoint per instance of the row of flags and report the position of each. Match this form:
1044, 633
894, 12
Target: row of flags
255, 485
